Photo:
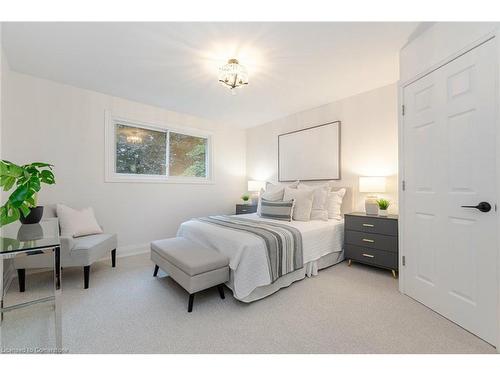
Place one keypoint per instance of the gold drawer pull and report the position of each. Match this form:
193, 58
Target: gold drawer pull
367, 240
368, 225
368, 255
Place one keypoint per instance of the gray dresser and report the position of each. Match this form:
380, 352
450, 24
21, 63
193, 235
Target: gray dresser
246, 209
372, 240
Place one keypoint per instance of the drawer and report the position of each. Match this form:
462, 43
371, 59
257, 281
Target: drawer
372, 225
373, 257
372, 240
245, 209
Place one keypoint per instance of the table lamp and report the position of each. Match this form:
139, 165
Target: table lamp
254, 189
372, 185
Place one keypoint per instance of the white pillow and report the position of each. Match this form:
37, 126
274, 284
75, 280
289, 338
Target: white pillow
320, 195
303, 202
273, 193
334, 203
271, 187
76, 223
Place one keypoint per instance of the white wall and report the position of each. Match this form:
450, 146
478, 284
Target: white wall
3, 68
1, 120
9, 271
368, 140
438, 43
64, 125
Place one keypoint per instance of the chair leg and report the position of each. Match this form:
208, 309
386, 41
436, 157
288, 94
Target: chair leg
113, 258
86, 274
220, 288
190, 303
155, 273
21, 276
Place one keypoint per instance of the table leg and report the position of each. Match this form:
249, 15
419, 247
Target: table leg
57, 298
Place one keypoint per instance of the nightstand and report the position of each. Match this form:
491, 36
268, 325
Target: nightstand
372, 240
246, 209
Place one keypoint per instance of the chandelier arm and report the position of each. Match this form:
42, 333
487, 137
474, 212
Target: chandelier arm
225, 83
235, 80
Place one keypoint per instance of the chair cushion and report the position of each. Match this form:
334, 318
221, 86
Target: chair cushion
94, 240
89, 249
75, 252
189, 256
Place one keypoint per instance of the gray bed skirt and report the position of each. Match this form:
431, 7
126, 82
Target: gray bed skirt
309, 269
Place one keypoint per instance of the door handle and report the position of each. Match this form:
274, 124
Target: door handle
482, 206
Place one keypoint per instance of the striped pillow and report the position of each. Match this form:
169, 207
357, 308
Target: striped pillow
278, 210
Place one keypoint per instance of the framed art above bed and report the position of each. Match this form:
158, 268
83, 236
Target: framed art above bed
310, 154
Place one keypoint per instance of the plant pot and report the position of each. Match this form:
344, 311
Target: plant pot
30, 232
382, 212
247, 202
33, 217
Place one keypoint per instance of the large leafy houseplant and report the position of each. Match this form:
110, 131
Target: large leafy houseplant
27, 181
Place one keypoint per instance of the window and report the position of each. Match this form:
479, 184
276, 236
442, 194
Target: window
152, 153
187, 155
140, 151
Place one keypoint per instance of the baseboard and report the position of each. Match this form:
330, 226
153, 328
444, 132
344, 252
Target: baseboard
126, 251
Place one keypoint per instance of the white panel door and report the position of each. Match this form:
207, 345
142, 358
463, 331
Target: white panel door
449, 143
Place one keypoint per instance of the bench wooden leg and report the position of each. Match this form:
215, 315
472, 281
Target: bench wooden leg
113, 258
190, 303
220, 288
21, 276
86, 275
155, 273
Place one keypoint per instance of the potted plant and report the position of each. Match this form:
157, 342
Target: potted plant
246, 198
383, 205
26, 180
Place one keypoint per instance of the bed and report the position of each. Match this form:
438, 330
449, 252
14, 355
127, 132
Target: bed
250, 279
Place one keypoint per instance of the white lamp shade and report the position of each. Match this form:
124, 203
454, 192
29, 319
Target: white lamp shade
372, 184
256, 185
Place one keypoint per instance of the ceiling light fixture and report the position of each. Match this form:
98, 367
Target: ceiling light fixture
134, 139
233, 75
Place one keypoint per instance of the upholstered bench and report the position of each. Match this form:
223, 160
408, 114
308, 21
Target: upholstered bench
192, 266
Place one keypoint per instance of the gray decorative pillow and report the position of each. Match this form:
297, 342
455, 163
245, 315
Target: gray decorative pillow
274, 192
277, 210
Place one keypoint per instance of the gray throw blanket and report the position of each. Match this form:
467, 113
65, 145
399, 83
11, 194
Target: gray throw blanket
283, 242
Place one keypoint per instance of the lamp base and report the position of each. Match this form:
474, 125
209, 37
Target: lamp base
371, 206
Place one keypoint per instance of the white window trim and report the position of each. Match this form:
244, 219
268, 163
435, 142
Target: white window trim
112, 119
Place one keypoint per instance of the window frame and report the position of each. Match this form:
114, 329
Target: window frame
111, 120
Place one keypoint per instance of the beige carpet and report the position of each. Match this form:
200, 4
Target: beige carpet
344, 309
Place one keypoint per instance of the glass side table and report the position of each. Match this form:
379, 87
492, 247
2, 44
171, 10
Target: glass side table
17, 240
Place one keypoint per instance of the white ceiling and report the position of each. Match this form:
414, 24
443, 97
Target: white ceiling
292, 66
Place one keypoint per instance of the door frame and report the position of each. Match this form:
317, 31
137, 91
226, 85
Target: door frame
495, 35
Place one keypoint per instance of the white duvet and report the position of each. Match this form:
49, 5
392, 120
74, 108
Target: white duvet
247, 252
